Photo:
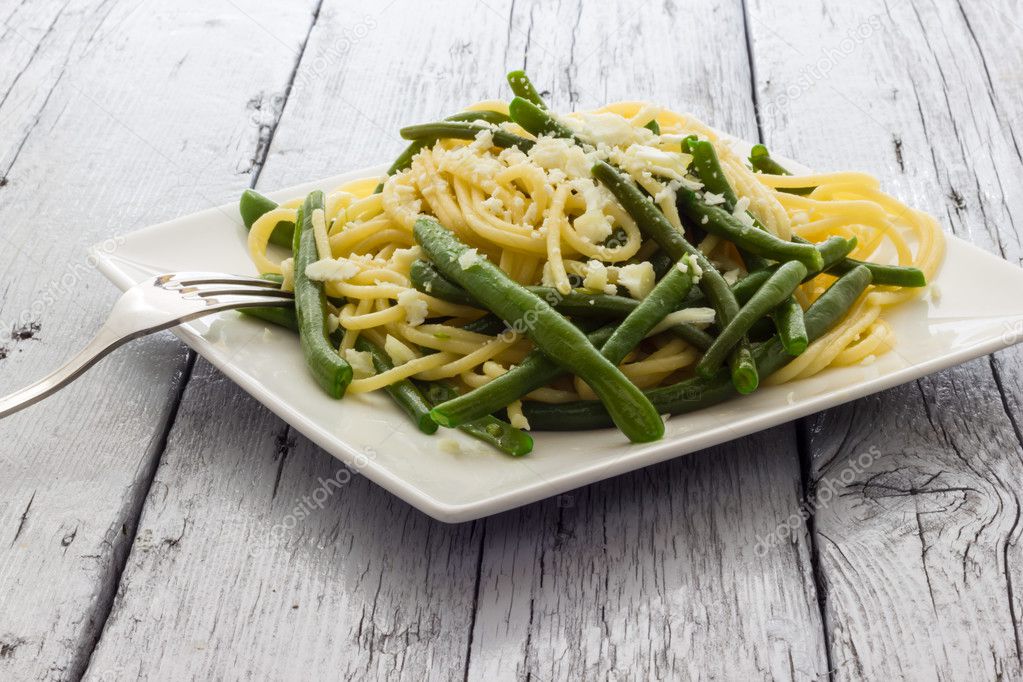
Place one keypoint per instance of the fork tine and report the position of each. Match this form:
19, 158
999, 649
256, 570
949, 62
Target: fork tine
194, 278
228, 301
206, 293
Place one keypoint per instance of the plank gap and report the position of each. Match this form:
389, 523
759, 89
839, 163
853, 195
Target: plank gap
109, 591
266, 138
482, 523
816, 573
751, 60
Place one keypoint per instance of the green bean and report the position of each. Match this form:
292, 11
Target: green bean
485, 115
253, 205
538, 121
523, 87
833, 250
282, 317
404, 159
273, 277
490, 325
328, 367
709, 171
884, 275
697, 393
718, 221
404, 393
660, 261
488, 429
538, 370
663, 299
458, 130
535, 371
772, 294
426, 279
788, 320
760, 159
654, 225
552, 333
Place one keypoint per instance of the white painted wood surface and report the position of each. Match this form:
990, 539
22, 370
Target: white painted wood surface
112, 116
918, 550
259, 556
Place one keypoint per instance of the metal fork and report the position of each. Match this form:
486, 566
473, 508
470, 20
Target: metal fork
153, 305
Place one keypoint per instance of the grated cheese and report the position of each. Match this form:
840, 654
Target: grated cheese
637, 278
332, 270
416, 309
361, 362
468, 259
697, 316
595, 278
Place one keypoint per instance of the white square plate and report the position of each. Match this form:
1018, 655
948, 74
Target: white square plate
979, 311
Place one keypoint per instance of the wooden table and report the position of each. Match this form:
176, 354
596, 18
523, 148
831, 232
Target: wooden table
135, 506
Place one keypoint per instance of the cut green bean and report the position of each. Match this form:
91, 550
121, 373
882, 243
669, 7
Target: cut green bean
282, 317
327, 366
773, 293
760, 159
426, 278
404, 159
553, 334
537, 370
577, 304
717, 220
404, 393
490, 325
538, 121
654, 225
254, 205
523, 87
788, 320
488, 429
697, 393
662, 300
712, 175
884, 275
458, 130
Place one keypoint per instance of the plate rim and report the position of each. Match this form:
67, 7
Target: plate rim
544, 487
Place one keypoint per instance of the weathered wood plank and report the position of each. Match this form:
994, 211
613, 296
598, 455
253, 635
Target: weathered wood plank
647, 575
381, 590
360, 80
99, 107
919, 544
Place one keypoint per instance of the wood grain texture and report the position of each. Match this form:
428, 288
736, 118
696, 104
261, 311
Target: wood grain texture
918, 545
455, 600
98, 136
645, 575
381, 590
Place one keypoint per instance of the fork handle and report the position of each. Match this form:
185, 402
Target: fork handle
104, 342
